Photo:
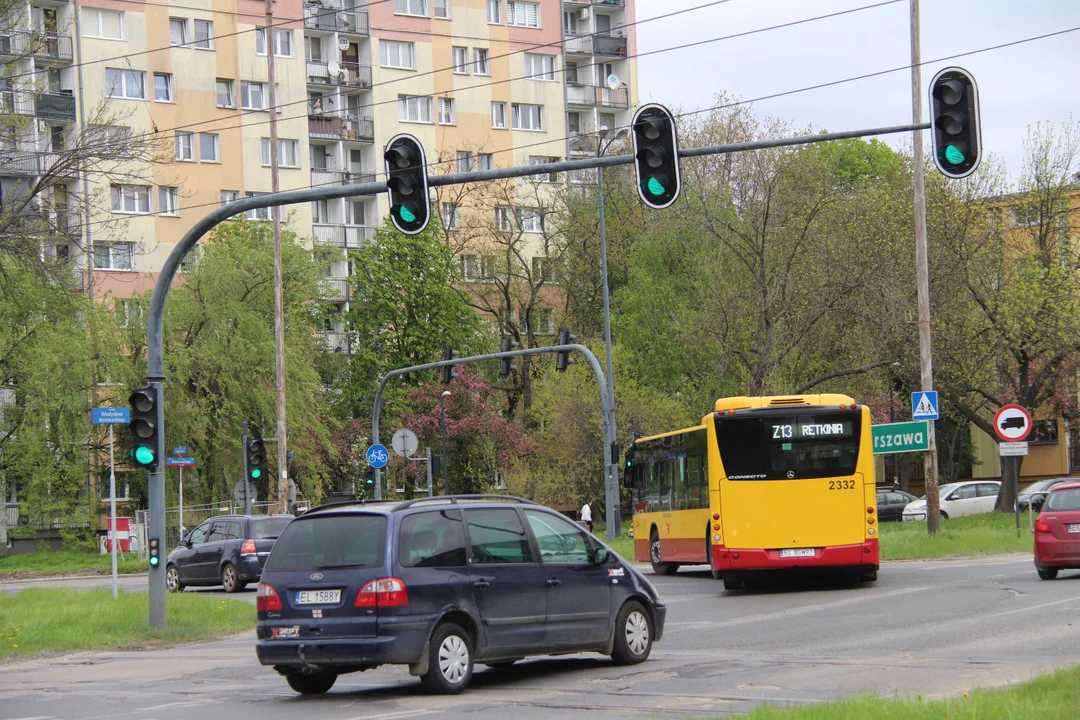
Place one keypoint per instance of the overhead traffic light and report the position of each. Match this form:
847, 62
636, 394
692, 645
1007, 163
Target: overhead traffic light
406, 179
954, 122
562, 357
154, 552
449, 372
505, 365
144, 427
255, 453
656, 149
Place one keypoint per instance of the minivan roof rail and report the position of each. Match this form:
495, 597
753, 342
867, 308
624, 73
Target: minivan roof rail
453, 499
345, 503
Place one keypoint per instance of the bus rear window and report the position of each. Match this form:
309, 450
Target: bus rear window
789, 446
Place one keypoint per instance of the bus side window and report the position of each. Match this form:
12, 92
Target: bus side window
693, 482
664, 467
652, 487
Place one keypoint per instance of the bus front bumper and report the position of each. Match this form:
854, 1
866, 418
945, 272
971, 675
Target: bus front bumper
865, 554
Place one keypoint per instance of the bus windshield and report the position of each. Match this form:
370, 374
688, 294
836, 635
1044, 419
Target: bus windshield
788, 445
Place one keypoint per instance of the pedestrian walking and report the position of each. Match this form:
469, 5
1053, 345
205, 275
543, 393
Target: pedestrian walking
586, 515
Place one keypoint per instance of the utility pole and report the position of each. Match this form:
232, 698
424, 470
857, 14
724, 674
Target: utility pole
279, 302
926, 363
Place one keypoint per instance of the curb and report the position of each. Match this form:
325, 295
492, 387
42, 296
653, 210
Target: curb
53, 578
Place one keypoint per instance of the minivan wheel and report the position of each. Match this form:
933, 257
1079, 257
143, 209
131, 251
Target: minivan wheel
450, 660
313, 684
660, 568
1048, 574
231, 581
633, 635
172, 579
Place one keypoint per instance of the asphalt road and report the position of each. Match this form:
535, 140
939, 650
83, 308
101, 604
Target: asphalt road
930, 628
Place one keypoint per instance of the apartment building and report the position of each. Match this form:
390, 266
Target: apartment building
482, 83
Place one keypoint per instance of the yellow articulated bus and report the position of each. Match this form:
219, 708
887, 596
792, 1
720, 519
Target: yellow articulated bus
763, 483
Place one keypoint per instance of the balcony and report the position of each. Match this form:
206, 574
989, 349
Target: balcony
609, 3
317, 73
582, 144
49, 47
596, 96
328, 178
335, 288
33, 164
336, 128
349, 237
47, 106
354, 75
335, 341
58, 222
327, 17
609, 46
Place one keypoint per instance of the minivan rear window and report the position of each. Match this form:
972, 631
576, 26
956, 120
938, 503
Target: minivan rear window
267, 528
324, 542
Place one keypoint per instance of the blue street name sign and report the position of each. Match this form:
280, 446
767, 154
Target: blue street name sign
110, 416
179, 450
377, 456
179, 461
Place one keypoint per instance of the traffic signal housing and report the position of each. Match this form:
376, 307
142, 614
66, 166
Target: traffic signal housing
154, 552
449, 372
255, 453
506, 366
144, 427
406, 180
954, 122
562, 357
656, 153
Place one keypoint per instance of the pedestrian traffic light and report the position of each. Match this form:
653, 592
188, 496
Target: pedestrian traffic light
562, 357
954, 122
369, 479
406, 179
656, 150
505, 365
255, 453
154, 552
144, 428
449, 372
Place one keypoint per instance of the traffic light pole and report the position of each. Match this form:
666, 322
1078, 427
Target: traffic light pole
247, 470
155, 588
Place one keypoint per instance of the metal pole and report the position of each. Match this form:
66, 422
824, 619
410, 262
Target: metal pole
445, 476
180, 523
1016, 492
112, 509
247, 470
926, 363
155, 581
279, 301
609, 462
429, 489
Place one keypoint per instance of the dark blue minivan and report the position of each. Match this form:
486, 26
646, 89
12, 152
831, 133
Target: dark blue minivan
441, 583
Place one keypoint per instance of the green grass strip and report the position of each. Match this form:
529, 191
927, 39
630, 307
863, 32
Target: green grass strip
48, 562
62, 619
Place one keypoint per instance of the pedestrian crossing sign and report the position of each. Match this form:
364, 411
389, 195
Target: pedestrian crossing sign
924, 405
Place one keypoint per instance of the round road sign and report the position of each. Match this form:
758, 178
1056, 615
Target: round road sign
1012, 423
377, 456
405, 442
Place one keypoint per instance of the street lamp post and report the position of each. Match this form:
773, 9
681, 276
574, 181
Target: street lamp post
442, 416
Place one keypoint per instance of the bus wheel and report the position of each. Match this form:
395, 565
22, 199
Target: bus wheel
660, 568
733, 582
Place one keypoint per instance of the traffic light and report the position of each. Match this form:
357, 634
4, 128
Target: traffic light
954, 122
562, 357
369, 479
154, 552
656, 149
449, 372
256, 456
406, 173
144, 428
505, 365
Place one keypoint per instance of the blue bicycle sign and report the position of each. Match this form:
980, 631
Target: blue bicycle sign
377, 456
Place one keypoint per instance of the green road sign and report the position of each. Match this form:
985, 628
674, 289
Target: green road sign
900, 437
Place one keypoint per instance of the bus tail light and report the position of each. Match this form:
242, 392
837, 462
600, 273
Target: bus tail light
716, 516
870, 509
716, 526
870, 520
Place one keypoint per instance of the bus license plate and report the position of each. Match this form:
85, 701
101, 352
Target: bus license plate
317, 597
1073, 528
797, 552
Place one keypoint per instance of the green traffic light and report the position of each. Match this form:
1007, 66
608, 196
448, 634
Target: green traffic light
256, 474
654, 187
954, 155
406, 215
154, 560
143, 455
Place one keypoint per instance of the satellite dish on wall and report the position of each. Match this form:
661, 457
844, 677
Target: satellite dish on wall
333, 67
613, 82
343, 43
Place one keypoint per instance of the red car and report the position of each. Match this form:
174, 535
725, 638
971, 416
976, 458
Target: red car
1057, 531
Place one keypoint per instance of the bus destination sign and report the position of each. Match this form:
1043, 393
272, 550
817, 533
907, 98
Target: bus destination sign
810, 430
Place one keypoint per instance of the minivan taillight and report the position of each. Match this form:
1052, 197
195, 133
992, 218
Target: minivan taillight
1042, 526
248, 548
267, 598
384, 592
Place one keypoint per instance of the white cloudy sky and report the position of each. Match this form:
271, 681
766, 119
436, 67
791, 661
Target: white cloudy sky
1018, 86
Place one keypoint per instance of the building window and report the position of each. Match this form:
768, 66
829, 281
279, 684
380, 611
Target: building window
540, 67
480, 62
461, 60
478, 268
464, 161
286, 153
125, 83
313, 48
530, 220
541, 321
544, 268
257, 213
225, 96
163, 91
252, 95
185, 147
282, 42
190, 261
528, 117
410, 7
178, 31
451, 216
103, 24
228, 196
498, 115
209, 148
446, 111
485, 161
320, 211
494, 12
168, 201
129, 312
1025, 215
442, 8
502, 219
523, 14
204, 35
544, 177
114, 256
394, 54
414, 109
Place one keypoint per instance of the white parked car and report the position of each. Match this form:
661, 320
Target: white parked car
958, 499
